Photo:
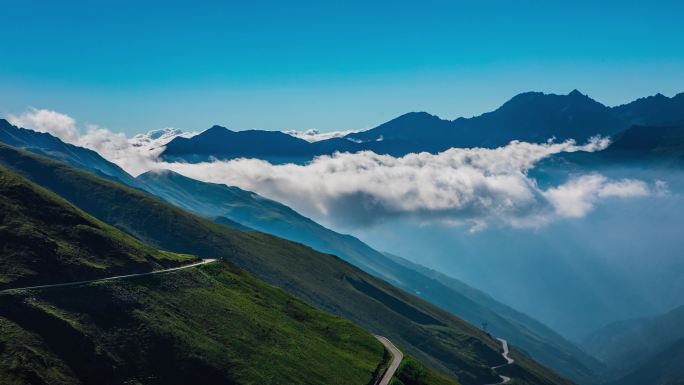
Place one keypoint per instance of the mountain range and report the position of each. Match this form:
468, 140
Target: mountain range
439, 339
243, 210
121, 226
197, 325
531, 117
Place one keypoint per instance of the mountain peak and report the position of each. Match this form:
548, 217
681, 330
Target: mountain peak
216, 128
417, 115
575, 93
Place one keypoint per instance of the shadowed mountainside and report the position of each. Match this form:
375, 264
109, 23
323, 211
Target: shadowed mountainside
441, 340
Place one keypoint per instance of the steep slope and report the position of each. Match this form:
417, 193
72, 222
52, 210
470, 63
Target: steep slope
439, 339
52, 147
212, 324
630, 344
241, 209
238, 208
256, 212
474, 306
44, 240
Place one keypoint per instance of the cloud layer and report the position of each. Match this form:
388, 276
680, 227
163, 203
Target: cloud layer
313, 135
135, 155
474, 187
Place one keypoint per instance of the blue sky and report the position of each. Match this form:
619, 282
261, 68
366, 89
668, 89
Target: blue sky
133, 66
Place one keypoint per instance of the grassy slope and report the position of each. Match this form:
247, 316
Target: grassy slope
265, 215
413, 372
230, 204
215, 324
44, 239
439, 339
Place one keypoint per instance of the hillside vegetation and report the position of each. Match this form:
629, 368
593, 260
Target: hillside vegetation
44, 239
245, 210
213, 324
254, 211
439, 339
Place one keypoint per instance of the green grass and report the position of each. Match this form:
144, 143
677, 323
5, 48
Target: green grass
413, 372
212, 324
437, 338
48, 240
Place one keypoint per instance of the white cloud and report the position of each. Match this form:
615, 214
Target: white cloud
52, 122
578, 196
475, 187
314, 135
135, 155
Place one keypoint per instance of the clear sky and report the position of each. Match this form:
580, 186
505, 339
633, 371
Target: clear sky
139, 65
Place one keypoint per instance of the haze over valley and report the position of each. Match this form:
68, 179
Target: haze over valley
361, 193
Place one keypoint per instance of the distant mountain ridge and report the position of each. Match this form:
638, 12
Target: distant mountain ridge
656, 110
440, 339
238, 208
646, 351
531, 116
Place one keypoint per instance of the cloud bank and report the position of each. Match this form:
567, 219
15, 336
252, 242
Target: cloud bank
474, 187
135, 155
313, 135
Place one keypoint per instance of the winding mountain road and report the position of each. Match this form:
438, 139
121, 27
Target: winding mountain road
509, 360
397, 356
203, 262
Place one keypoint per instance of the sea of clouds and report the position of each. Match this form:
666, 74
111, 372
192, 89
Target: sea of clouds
473, 187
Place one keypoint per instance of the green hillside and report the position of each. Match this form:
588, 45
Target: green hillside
213, 324
257, 212
44, 239
413, 372
242, 209
437, 338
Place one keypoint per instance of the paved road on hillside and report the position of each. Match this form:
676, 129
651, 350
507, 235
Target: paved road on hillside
509, 360
204, 262
397, 356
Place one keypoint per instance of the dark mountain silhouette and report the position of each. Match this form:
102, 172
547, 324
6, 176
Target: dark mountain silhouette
220, 142
243, 210
531, 116
636, 146
656, 110
440, 339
